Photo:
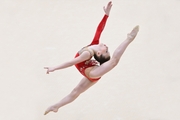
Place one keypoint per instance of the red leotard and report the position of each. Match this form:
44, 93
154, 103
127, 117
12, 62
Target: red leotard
89, 63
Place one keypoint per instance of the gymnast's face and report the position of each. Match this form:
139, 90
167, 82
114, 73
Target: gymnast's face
104, 50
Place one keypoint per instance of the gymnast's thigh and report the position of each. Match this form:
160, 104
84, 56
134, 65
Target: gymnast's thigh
99, 71
88, 71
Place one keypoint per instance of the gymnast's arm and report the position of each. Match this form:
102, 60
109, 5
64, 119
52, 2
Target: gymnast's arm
99, 30
84, 56
102, 24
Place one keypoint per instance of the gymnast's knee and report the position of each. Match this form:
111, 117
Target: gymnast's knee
75, 92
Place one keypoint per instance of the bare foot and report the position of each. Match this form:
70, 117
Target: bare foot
133, 33
52, 108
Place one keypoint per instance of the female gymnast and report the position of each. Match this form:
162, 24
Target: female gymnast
92, 70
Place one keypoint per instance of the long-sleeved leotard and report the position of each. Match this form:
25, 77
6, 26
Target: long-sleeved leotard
89, 63
99, 30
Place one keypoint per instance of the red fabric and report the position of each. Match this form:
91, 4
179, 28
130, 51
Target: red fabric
99, 30
89, 63
83, 65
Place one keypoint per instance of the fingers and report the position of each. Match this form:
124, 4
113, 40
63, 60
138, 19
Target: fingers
47, 70
46, 112
104, 9
107, 8
109, 5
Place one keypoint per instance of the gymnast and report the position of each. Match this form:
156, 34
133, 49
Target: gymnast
92, 70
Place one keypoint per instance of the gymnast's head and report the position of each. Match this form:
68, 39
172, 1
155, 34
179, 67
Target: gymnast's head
102, 55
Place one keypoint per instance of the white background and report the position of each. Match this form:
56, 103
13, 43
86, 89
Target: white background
39, 33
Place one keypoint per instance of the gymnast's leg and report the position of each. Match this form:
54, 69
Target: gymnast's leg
99, 71
80, 88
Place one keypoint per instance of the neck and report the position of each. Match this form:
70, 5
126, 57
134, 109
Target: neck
94, 48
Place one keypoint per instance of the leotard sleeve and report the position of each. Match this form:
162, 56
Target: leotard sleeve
99, 30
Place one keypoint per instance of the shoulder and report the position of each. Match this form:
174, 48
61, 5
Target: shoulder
82, 57
85, 55
85, 50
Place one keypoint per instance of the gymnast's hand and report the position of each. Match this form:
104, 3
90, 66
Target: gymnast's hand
107, 8
49, 69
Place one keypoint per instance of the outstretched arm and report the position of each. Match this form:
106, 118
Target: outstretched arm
102, 24
84, 56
